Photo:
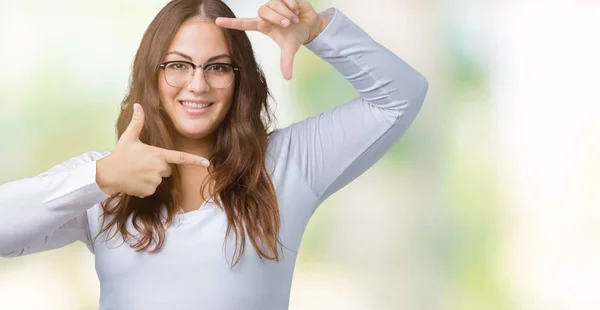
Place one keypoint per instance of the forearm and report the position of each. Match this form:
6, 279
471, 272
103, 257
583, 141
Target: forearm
35, 207
335, 147
381, 77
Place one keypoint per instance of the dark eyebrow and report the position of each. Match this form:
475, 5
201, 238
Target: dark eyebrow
180, 54
190, 58
218, 57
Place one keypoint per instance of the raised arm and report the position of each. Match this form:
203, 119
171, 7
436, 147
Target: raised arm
334, 148
49, 211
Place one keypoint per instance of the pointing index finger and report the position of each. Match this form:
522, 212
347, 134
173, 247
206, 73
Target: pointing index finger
238, 23
181, 158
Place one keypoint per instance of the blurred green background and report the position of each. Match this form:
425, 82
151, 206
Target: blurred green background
490, 201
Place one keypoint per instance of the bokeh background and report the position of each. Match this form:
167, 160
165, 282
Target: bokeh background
490, 201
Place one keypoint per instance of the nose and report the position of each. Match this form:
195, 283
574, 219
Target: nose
198, 83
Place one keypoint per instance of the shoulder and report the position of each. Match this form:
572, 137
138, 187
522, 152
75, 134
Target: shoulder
280, 143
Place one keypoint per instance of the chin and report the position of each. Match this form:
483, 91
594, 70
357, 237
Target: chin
193, 131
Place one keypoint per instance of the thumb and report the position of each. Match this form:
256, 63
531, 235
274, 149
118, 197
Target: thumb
134, 129
288, 51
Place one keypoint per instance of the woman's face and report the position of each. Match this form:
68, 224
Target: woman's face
196, 109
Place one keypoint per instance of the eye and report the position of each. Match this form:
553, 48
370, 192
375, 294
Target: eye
220, 68
179, 66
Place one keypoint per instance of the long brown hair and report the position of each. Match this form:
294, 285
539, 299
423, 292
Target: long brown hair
238, 177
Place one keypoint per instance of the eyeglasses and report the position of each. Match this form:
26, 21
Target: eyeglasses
180, 73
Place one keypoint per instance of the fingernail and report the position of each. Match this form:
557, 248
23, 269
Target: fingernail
297, 11
285, 22
205, 163
135, 108
296, 20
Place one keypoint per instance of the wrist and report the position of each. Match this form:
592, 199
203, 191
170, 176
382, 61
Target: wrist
103, 177
320, 25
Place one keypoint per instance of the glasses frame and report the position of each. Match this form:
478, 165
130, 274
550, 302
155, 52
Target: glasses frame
163, 65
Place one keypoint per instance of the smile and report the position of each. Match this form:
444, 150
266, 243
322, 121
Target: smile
195, 108
195, 105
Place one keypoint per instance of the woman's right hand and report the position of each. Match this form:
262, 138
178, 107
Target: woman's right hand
135, 168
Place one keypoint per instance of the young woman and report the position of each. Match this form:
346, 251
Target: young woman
200, 205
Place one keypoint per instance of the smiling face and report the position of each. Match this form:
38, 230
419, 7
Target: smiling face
196, 109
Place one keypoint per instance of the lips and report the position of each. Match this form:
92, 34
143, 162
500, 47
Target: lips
195, 104
195, 108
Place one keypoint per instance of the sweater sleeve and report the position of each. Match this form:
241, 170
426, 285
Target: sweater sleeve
48, 211
335, 147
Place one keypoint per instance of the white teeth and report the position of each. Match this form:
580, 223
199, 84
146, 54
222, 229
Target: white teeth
195, 105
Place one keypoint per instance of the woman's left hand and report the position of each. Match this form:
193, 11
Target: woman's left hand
290, 23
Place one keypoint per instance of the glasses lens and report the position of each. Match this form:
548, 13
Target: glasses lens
219, 75
178, 74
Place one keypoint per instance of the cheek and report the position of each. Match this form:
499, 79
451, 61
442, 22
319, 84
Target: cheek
226, 96
166, 91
